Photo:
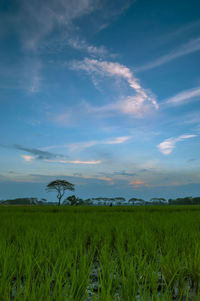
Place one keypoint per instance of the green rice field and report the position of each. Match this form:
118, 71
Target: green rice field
99, 253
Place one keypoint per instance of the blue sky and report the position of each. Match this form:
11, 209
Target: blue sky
104, 94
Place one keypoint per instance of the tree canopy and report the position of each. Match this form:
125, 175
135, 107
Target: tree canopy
60, 186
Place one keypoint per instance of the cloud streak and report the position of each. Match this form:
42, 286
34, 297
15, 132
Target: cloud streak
138, 183
86, 144
135, 105
183, 97
38, 154
185, 49
45, 17
117, 140
50, 157
73, 161
27, 158
167, 146
35, 22
102, 178
82, 45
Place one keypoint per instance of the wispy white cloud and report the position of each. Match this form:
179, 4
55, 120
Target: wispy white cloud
117, 140
183, 97
134, 105
45, 17
83, 145
80, 44
138, 183
35, 83
187, 48
80, 146
36, 21
51, 27
111, 69
46, 156
64, 118
73, 161
24, 75
171, 36
27, 158
102, 178
167, 146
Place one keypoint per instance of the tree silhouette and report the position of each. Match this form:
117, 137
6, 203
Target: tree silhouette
60, 186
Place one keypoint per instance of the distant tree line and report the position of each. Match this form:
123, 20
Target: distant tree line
61, 186
120, 201
185, 201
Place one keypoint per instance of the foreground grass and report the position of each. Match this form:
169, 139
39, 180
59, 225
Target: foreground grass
100, 253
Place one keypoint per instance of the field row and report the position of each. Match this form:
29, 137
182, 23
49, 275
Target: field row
100, 253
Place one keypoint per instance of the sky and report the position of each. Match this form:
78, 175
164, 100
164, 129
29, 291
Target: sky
102, 93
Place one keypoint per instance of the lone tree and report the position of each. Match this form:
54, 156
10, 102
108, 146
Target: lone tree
60, 186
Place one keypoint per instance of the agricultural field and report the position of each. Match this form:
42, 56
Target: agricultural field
92, 253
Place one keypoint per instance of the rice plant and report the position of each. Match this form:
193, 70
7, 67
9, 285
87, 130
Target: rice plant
92, 253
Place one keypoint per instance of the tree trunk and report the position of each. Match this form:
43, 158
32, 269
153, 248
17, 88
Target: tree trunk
59, 199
